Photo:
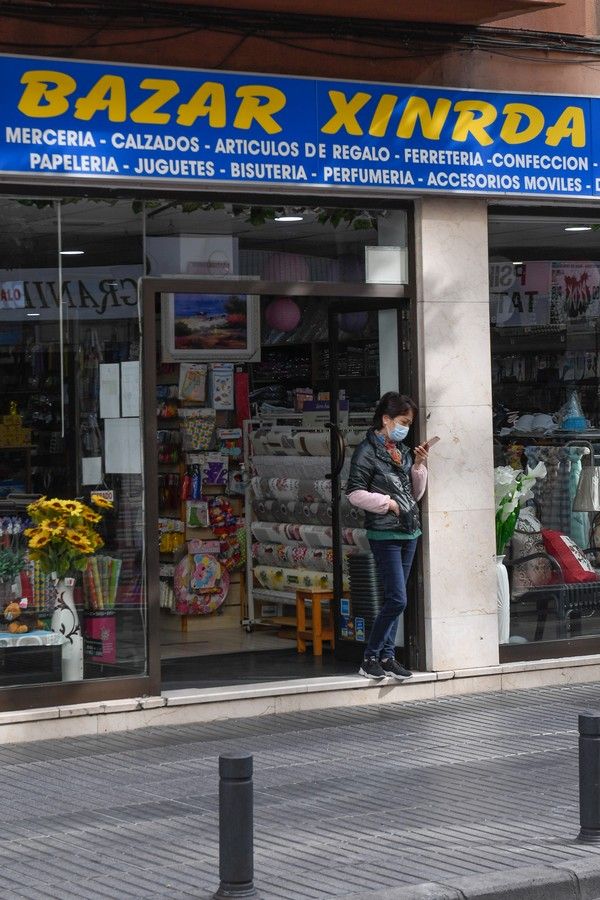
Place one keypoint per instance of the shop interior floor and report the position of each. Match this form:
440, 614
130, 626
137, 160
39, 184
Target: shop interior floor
174, 644
249, 668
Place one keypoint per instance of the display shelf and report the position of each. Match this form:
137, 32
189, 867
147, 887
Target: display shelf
266, 595
553, 385
592, 435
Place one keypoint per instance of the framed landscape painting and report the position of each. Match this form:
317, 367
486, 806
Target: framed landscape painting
210, 327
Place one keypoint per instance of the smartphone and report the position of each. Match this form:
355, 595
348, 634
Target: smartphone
431, 442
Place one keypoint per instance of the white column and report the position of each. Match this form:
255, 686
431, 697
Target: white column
455, 402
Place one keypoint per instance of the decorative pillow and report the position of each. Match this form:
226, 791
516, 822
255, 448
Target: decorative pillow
575, 566
530, 574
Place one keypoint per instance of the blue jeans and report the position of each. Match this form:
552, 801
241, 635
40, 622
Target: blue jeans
393, 560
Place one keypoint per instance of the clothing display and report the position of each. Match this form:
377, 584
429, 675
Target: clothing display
555, 494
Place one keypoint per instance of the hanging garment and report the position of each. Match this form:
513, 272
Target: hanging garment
555, 494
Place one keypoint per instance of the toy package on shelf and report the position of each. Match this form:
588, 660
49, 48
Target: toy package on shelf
191, 486
222, 518
167, 406
192, 382
213, 467
196, 514
230, 550
197, 425
222, 386
201, 585
167, 595
230, 442
171, 534
169, 446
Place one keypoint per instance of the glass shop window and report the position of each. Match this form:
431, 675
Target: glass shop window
545, 339
70, 431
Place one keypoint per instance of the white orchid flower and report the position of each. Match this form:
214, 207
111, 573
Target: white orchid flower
508, 508
538, 471
505, 481
524, 497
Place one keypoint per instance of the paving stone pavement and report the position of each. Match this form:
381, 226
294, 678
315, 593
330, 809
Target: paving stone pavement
347, 801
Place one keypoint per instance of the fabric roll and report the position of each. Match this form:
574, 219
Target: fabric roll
298, 556
273, 442
306, 491
269, 532
306, 513
312, 535
356, 537
312, 443
309, 468
292, 511
289, 441
293, 556
316, 535
290, 580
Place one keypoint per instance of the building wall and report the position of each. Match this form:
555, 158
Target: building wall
461, 626
384, 58
452, 303
574, 17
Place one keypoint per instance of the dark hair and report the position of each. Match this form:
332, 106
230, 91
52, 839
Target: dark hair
392, 404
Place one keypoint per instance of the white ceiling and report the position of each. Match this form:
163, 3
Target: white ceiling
28, 235
104, 228
537, 237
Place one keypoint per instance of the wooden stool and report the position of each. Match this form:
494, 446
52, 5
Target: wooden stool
319, 632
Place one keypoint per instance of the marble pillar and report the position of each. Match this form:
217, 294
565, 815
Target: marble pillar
461, 624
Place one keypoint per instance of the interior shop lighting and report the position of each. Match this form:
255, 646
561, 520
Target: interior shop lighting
72, 252
289, 217
31, 315
518, 262
578, 228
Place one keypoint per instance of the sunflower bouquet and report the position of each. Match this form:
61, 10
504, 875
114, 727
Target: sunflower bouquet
63, 535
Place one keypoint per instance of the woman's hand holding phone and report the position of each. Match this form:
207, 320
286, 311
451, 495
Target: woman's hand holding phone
422, 451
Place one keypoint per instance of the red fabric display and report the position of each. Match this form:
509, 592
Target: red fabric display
575, 567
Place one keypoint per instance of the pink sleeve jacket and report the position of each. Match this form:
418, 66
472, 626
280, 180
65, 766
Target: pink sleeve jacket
380, 503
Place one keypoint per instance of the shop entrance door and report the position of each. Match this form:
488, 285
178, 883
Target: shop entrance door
386, 366
366, 320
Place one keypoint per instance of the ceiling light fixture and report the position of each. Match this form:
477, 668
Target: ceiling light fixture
518, 263
32, 314
578, 228
72, 252
289, 218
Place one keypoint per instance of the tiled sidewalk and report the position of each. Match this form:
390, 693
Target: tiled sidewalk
348, 801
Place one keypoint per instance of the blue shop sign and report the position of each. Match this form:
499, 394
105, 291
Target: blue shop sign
158, 125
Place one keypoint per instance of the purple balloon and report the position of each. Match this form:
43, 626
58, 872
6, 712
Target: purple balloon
282, 314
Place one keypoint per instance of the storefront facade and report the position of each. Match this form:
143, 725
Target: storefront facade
169, 155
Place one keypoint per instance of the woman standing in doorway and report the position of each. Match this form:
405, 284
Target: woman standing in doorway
386, 483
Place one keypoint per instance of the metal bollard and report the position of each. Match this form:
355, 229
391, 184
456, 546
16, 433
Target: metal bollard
589, 778
236, 826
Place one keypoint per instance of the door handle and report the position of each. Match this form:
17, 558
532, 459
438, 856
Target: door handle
339, 455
